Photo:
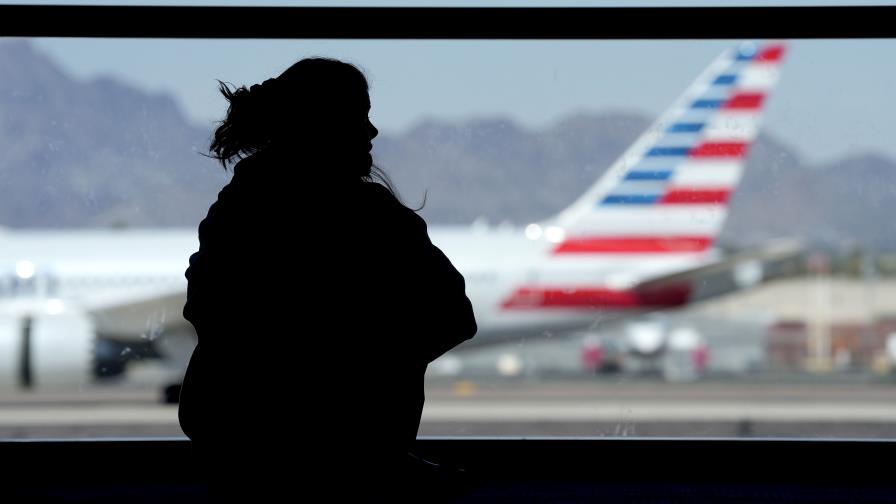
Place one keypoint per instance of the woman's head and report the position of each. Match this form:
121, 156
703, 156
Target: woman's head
316, 110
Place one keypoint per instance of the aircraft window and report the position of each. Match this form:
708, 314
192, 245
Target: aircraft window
727, 277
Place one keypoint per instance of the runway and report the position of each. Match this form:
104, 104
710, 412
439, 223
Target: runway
519, 408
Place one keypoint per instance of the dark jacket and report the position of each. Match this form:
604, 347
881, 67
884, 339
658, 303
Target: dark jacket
318, 303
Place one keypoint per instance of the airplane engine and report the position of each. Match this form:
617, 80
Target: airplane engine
46, 349
686, 357
646, 338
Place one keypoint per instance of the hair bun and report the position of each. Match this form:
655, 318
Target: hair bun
288, 106
266, 90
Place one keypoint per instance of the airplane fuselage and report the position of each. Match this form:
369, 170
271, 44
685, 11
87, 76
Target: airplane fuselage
99, 266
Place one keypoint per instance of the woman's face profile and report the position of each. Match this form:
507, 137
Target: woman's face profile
372, 132
344, 132
361, 131
342, 129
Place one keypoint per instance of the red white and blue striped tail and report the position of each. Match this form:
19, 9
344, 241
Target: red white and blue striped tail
669, 192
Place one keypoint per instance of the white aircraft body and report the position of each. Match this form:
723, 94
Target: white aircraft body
73, 303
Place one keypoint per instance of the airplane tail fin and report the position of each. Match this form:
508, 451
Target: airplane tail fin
669, 191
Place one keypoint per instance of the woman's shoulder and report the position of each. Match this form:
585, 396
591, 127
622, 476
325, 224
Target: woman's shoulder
378, 196
376, 190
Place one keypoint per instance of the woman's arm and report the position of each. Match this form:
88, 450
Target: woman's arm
436, 311
453, 319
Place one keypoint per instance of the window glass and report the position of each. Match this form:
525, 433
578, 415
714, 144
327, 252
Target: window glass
660, 238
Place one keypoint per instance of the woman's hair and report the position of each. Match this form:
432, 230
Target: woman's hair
293, 106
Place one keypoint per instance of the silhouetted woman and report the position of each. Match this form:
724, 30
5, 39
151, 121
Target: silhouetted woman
317, 296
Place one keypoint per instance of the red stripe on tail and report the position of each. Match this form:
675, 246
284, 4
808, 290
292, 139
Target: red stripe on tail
745, 101
771, 54
719, 149
695, 196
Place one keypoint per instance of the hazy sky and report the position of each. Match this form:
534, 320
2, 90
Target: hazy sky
834, 97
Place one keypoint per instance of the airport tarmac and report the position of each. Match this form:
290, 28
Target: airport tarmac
523, 408
536, 386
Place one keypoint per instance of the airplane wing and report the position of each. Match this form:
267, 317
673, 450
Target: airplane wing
738, 271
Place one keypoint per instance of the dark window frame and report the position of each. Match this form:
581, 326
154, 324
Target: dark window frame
820, 463
521, 23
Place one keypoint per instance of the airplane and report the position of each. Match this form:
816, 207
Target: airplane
76, 305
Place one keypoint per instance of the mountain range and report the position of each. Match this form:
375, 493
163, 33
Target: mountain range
102, 153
